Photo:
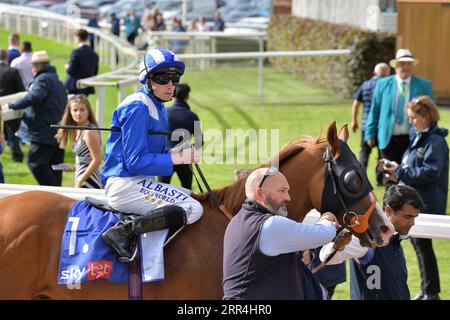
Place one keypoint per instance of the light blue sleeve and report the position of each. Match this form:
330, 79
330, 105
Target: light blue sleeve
283, 235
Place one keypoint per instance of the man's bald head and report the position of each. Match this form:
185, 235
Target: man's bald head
382, 70
272, 193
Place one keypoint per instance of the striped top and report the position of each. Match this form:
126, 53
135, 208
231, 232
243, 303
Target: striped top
83, 158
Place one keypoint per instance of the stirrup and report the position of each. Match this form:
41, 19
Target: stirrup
133, 257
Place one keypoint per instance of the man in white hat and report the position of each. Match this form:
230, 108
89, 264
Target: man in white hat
388, 120
47, 98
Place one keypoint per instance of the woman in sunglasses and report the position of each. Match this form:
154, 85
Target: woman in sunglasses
133, 158
425, 167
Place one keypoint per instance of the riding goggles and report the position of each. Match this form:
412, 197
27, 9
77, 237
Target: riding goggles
165, 78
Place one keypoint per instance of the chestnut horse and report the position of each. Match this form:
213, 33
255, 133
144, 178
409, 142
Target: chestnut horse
32, 223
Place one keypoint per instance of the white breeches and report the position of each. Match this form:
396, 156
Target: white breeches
140, 195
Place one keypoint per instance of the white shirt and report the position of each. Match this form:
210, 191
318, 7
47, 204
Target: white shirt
23, 64
352, 250
283, 235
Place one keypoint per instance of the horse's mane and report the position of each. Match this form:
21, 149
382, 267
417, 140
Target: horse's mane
234, 193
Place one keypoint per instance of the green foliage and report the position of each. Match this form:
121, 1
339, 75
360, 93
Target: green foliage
342, 74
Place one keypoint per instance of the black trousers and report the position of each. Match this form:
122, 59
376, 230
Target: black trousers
429, 273
40, 158
11, 128
394, 151
184, 173
364, 155
396, 148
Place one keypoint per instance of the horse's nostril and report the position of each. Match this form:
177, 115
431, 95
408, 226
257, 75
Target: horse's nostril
384, 229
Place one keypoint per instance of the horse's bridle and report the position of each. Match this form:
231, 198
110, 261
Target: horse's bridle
355, 222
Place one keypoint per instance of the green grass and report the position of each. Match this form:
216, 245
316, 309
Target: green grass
228, 98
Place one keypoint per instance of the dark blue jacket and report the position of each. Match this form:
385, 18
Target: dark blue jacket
180, 116
364, 95
47, 101
381, 274
425, 168
12, 54
115, 26
83, 64
331, 275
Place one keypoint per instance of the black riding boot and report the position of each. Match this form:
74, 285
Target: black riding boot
121, 236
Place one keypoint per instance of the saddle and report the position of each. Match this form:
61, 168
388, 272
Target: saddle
104, 206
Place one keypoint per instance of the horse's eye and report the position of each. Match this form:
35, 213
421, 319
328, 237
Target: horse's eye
353, 182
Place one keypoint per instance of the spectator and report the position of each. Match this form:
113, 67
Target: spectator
219, 24
425, 167
86, 144
261, 245
201, 25
23, 64
44, 105
192, 27
10, 83
159, 23
387, 122
177, 45
132, 25
93, 23
83, 64
181, 118
364, 95
115, 25
380, 273
133, 158
13, 47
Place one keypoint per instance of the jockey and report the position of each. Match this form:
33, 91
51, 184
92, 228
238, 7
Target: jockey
133, 158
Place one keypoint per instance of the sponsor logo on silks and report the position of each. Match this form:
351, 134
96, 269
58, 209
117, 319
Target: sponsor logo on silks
73, 274
154, 190
100, 269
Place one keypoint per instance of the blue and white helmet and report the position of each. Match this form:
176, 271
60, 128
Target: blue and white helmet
159, 60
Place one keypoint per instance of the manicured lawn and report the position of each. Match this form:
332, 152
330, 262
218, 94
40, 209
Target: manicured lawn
227, 98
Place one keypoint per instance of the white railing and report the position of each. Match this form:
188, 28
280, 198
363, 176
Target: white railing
427, 225
112, 50
430, 226
7, 189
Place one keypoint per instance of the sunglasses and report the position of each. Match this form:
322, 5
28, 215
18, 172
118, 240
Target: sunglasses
270, 172
73, 96
165, 78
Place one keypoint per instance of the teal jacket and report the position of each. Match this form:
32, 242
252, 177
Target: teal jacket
380, 122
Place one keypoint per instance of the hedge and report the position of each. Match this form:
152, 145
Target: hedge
342, 74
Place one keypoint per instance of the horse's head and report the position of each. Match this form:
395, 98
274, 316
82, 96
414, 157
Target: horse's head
348, 193
327, 176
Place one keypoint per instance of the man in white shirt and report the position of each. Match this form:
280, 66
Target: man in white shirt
23, 64
261, 244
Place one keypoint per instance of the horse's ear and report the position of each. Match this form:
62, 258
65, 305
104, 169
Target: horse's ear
333, 140
343, 133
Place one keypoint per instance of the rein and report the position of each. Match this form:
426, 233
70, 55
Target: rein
212, 194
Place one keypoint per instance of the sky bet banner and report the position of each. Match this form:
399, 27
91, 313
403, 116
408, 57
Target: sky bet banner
84, 255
